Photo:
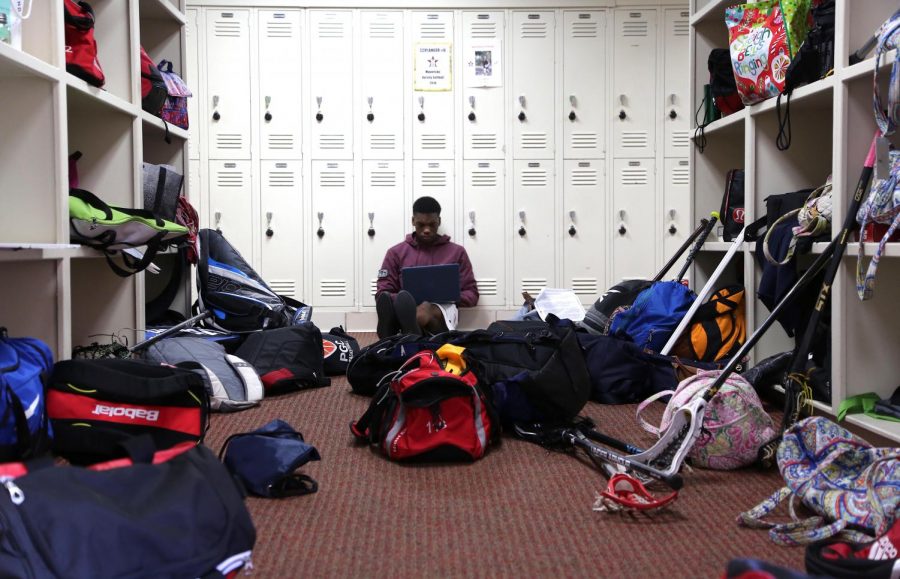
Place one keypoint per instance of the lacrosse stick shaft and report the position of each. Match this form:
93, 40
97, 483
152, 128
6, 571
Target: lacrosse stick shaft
704, 224
169, 332
596, 436
704, 293
673, 480
714, 216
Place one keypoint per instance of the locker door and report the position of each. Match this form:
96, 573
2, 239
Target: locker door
483, 97
280, 34
634, 219
485, 238
228, 83
583, 230
195, 193
533, 61
230, 192
435, 179
331, 233
331, 83
385, 219
381, 100
675, 84
634, 83
533, 250
584, 84
192, 78
281, 190
432, 106
676, 205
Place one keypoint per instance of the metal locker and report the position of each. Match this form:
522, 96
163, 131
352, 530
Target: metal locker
676, 207
634, 83
281, 241
634, 219
484, 232
533, 245
382, 58
228, 83
230, 195
385, 219
280, 41
583, 232
432, 94
435, 179
483, 90
192, 78
331, 233
331, 83
584, 84
533, 84
675, 84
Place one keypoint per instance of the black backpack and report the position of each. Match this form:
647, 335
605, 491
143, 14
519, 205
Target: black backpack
377, 360
339, 350
286, 358
599, 317
234, 293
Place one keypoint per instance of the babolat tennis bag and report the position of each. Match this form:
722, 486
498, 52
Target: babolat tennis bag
171, 514
233, 292
339, 349
24, 429
287, 359
96, 406
112, 229
431, 409
375, 361
718, 328
232, 383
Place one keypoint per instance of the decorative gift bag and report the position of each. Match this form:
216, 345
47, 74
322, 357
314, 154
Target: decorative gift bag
763, 38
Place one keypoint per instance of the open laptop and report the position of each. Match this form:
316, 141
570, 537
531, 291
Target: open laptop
432, 283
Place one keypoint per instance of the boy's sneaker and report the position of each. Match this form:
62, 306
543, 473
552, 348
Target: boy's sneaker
405, 309
388, 325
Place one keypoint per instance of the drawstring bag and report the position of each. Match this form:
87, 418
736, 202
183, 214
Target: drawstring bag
81, 46
850, 485
174, 110
735, 425
265, 460
813, 217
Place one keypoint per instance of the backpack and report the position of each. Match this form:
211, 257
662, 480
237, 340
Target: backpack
162, 189
721, 81
735, 425
655, 314
850, 485
24, 429
81, 46
375, 361
718, 328
153, 87
232, 383
167, 514
618, 298
233, 292
432, 408
174, 109
339, 349
732, 210
288, 358
97, 406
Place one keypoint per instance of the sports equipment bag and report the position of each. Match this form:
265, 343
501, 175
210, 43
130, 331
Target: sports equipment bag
654, 315
233, 292
375, 361
718, 328
618, 298
172, 514
174, 109
81, 47
431, 409
24, 429
287, 359
153, 87
162, 188
339, 349
95, 406
732, 210
231, 382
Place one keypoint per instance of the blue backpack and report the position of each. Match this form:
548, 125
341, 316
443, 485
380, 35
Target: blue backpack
24, 429
654, 315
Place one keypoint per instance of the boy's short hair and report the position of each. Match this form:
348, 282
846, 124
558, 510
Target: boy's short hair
426, 205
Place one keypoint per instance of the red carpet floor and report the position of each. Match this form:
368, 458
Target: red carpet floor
519, 512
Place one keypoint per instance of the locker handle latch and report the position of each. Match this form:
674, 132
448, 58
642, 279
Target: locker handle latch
216, 116
672, 229
522, 105
371, 116
673, 114
472, 231
268, 115
218, 219
572, 229
622, 229
472, 106
622, 114
522, 230
371, 231
421, 115
269, 231
319, 115
573, 102
321, 231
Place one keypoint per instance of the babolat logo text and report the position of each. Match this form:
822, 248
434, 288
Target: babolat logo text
132, 413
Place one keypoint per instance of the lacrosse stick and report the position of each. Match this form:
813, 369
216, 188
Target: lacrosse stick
714, 216
702, 232
190, 322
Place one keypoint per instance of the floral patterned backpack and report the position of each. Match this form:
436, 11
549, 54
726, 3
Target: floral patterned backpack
175, 108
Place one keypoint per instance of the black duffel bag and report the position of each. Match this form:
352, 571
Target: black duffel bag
375, 361
173, 514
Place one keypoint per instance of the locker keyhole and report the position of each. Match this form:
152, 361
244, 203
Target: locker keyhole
268, 116
269, 232
472, 116
673, 114
672, 229
572, 230
320, 232
472, 232
622, 114
522, 231
216, 116
371, 232
421, 117
572, 115
622, 230
370, 117
522, 116
319, 117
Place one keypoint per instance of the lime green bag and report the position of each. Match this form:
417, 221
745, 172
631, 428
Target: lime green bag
113, 229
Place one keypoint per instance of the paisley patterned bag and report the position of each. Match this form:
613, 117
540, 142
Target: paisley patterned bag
852, 487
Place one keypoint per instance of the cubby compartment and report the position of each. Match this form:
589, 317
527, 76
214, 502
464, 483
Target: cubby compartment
724, 151
105, 137
38, 38
705, 264
103, 304
31, 301
863, 17
113, 35
710, 33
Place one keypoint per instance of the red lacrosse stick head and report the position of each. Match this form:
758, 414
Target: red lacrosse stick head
625, 492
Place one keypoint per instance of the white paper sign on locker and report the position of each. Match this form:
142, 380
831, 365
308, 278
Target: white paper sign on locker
433, 67
484, 65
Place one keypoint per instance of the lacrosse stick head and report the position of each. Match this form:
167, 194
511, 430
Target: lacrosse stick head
626, 493
676, 441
